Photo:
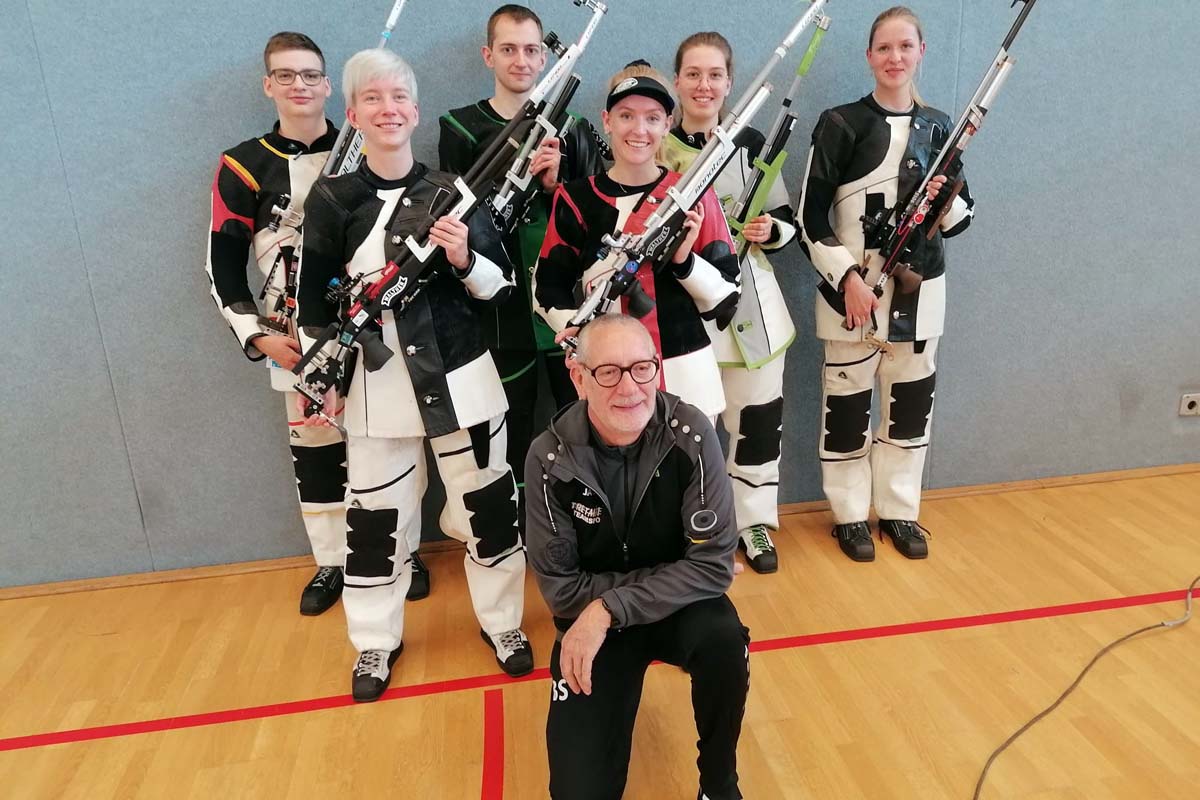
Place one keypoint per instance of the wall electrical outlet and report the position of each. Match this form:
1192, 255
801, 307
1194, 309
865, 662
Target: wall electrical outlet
1189, 405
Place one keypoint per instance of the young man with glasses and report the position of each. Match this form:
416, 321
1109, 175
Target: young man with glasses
252, 180
631, 535
517, 339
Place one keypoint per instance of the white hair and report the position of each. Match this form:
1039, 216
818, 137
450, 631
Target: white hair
368, 65
601, 326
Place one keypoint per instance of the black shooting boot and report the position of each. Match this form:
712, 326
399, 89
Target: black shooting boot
855, 540
908, 536
321, 592
419, 588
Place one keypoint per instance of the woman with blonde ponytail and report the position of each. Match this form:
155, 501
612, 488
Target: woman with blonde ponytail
866, 157
751, 355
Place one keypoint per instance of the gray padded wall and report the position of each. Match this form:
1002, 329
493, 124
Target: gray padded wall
136, 437
67, 500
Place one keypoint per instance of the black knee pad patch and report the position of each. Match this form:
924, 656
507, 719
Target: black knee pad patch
761, 430
321, 472
912, 403
493, 517
847, 418
371, 542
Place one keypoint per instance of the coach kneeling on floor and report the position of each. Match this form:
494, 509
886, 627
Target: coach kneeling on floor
631, 534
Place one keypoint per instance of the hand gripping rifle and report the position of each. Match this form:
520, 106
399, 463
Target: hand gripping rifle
769, 164
664, 229
896, 242
402, 280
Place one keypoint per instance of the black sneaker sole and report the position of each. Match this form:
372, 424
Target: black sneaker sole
911, 557
766, 570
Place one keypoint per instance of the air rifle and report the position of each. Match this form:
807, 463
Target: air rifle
402, 280
664, 230
511, 199
769, 164
344, 157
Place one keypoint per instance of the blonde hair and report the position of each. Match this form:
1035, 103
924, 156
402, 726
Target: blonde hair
372, 64
646, 71
908, 15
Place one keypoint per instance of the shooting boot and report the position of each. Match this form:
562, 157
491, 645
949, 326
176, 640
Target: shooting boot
855, 540
513, 652
373, 673
321, 592
908, 536
760, 550
419, 588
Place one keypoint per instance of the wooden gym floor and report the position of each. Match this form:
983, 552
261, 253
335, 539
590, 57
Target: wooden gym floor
893, 679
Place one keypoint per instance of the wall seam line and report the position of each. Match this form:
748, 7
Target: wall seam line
91, 289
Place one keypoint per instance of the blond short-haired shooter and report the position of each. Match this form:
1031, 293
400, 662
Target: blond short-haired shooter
440, 386
366, 66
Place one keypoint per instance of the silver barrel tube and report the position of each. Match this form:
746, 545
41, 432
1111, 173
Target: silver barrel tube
814, 10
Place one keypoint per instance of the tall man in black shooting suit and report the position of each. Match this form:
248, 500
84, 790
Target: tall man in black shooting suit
518, 339
631, 534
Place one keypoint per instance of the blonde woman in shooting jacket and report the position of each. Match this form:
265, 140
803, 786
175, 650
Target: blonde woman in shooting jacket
866, 157
750, 351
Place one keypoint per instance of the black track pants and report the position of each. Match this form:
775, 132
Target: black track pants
589, 736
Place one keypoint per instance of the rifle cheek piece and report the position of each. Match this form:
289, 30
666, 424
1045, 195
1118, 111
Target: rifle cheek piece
625, 282
907, 279
640, 303
375, 353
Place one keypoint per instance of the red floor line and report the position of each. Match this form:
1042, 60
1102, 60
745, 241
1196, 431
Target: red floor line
499, 679
903, 629
493, 745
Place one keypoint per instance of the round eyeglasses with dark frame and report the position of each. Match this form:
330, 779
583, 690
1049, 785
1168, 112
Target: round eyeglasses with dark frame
286, 77
609, 375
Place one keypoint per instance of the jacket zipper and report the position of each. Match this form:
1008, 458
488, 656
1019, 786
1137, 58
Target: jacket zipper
623, 540
637, 504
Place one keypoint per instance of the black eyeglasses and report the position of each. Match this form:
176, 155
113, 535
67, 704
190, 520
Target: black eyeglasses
609, 375
286, 77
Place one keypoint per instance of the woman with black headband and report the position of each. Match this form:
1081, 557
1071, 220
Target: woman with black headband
701, 282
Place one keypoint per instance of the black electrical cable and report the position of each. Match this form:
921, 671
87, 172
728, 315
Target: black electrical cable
1170, 623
